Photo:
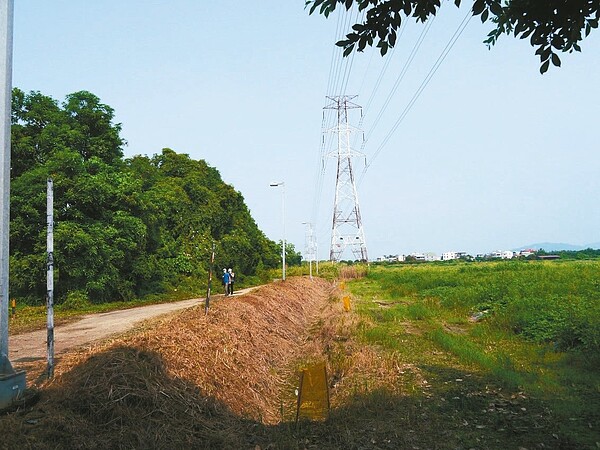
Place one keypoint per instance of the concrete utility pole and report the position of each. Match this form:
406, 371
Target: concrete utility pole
50, 275
209, 285
12, 383
282, 185
347, 229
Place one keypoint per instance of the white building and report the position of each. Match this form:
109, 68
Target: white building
505, 254
447, 256
431, 257
391, 258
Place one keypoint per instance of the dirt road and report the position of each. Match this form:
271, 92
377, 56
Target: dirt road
29, 347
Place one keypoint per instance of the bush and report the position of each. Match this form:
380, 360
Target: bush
75, 300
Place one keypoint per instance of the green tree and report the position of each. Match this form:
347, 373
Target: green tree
551, 25
123, 228
292, 257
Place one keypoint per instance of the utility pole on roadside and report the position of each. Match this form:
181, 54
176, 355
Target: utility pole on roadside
12, 384
50, 275
209, 284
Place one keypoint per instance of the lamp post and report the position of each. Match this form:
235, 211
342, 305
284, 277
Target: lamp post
282, 184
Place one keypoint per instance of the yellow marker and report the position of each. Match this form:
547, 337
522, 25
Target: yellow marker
313, 396
13, 304
346, 301
342, 285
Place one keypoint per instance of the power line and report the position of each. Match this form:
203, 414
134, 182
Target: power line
401, 76
423, 85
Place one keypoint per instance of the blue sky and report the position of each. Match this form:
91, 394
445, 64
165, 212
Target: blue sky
491, 156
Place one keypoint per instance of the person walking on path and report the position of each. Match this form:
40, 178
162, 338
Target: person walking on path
226, 281
231, 281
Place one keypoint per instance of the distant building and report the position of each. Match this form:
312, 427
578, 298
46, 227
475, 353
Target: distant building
549, 257
448, 256
505, 254
391, 258
431, 257
418, 256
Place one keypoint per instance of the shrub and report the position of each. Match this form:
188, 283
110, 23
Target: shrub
75, 300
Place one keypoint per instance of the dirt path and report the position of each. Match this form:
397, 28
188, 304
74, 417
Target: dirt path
29, 347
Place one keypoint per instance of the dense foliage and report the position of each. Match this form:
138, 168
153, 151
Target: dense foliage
124, 228
588, 253
551, 26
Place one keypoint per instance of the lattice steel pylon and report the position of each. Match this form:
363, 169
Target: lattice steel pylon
347, 229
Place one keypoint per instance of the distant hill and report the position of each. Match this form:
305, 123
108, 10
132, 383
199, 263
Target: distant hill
556, 246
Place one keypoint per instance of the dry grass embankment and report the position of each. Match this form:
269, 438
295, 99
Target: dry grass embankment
191, 379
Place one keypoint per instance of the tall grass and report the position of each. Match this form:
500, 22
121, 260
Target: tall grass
556, 302
530, 327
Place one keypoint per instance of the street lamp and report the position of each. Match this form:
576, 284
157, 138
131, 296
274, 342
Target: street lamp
282, 184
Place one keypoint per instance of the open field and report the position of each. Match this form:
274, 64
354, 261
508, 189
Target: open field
416, 364
528, 332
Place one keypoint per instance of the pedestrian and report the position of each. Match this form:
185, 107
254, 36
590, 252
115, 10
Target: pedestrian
231, 281
226, 281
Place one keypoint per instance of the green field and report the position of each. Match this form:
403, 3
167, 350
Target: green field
525, 333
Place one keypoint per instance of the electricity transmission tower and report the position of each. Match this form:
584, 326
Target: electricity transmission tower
347, 229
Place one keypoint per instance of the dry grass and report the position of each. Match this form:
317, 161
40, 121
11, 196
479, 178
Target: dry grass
352, 272
191, 379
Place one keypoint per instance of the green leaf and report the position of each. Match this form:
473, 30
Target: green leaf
546, 53
484, 16
314, 6
496, 8
392, 38
478, 7
384, 47
361, 45
555, 60
544, 67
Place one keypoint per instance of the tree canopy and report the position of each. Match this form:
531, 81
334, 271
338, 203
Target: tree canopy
552, 26
124, 228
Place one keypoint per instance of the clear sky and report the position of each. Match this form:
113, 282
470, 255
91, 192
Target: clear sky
491, 156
